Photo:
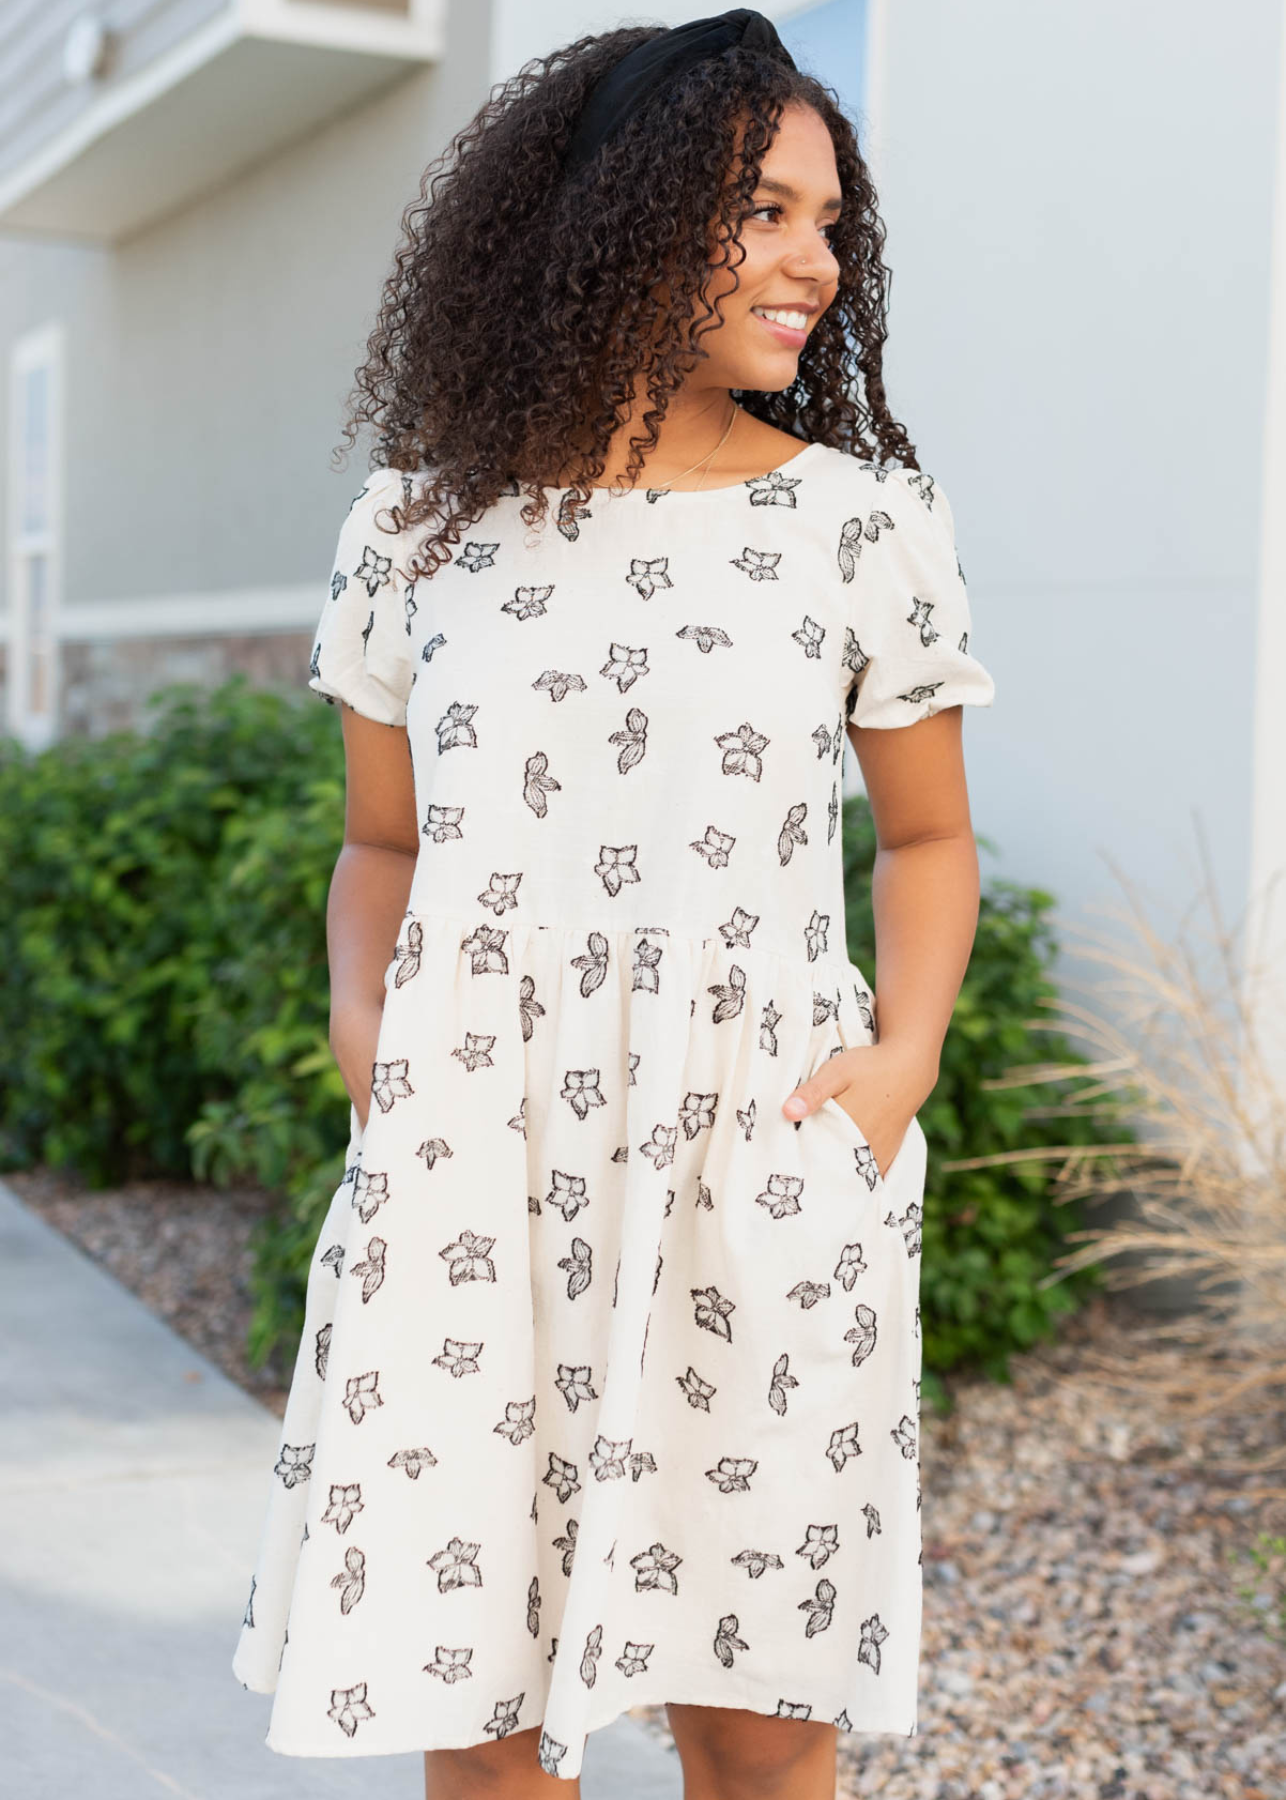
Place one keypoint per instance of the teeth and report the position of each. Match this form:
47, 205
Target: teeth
797, 321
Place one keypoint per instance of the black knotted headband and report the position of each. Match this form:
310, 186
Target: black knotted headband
654, 65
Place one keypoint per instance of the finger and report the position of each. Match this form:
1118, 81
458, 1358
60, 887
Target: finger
806, 1096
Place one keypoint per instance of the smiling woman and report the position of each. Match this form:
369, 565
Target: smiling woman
608, 1390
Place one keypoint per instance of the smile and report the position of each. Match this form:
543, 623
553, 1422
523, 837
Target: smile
787, 326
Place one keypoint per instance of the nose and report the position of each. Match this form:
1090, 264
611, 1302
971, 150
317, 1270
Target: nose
811, 258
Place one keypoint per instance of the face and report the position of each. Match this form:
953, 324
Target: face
790, 274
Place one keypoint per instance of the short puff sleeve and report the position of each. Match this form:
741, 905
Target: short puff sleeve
362, 647
908, 620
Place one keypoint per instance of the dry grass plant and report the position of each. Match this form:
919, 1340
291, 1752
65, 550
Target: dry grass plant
1178, 1032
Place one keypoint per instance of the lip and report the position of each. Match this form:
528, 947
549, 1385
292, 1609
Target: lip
784, 334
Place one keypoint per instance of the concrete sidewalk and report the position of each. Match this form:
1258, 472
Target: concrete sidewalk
124, 1567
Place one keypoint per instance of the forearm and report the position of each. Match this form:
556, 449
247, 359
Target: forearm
925, 897
364, 912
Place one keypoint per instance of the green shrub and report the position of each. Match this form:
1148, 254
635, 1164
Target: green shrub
164, 1006
991, 1236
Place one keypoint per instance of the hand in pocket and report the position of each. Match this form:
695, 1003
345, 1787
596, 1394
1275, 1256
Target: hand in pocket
880, 1092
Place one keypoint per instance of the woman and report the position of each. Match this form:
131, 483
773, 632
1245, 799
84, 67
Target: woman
608, 1390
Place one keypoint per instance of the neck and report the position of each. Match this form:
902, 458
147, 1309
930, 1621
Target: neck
692, 427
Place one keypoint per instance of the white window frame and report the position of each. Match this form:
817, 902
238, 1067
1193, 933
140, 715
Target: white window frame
34, 724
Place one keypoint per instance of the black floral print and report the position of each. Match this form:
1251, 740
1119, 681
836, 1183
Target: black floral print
597, 1341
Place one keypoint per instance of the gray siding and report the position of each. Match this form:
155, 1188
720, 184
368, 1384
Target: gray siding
1079, 205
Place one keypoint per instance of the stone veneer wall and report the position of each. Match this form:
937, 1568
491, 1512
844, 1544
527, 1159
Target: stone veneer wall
105, 683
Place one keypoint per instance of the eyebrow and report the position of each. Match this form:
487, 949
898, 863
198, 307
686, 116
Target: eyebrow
789, 193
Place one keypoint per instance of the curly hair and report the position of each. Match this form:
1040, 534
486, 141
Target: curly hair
523, 308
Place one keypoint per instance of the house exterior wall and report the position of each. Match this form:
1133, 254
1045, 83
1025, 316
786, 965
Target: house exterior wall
206, 364
1079, 201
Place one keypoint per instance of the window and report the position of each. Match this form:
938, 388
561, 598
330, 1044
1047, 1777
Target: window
35, 404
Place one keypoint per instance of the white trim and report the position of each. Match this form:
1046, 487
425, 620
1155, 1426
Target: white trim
41, 348
216, 614
1265, 932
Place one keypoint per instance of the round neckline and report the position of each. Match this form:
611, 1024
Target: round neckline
730, 487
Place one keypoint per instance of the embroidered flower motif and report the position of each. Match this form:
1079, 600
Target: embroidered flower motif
654, 1568
820, 1608
530, 1010
450, 1665
773, 489
443, 823
549, 1752
792, 832
815, 934
518, 1422
646, 977
294, 1463
559, 685
631, 739
406, 956
916, 696
367, 629
659, 1148
344, 1505
580, 1089
334, 1259
820, 1544
500, 894
314, 666
849, 1267
562, 1476
696, 1392
715, 847
592, 964
589, 1658
371, 1269
528, 602
349, 1706
843, 1444
862, 1335
351, 1579
712, 1311
730, 997
434, 643
731, 1474
760, 565
781, 1196
919, 617
410, 607
456, 1565
455, 727
504, 1717
696, 1113
624, 665
338, 582
370, 1191
742, 751
469, 1258
809, 635
574, 1384
633, 1658
567, 1544
533, 1593
781, 1378
642, 1462
477, 556
373, 570
705, 637
872, 1517
474, 1053
754, 1562
578, 1266
459, 1356
873, 1635
616, 866
390, 1083
646, 577
248, 1617
607, 1459
726, 1639
909, 1224
832, 813
413, 1461
866, 1165
903, 1435
852, 536
432, 1148
922, 484
570, 513
362, 1395
567, 1194
769, 1019
537, 782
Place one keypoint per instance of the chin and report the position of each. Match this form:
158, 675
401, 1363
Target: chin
765, 374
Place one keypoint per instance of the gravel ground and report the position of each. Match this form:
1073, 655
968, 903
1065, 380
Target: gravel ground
1083, 1636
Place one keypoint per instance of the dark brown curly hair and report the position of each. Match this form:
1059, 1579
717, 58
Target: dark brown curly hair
523, 307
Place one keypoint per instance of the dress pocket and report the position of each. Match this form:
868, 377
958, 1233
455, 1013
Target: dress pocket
863, 1156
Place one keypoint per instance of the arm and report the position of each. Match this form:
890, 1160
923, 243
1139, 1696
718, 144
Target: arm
368, 892
925, 890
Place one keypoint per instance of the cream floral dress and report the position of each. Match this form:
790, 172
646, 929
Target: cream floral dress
609, 1383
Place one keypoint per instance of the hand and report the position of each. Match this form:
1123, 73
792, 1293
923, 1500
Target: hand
879, 1081
354, 1039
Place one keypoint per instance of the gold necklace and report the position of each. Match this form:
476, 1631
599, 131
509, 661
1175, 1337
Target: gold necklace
661, 486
